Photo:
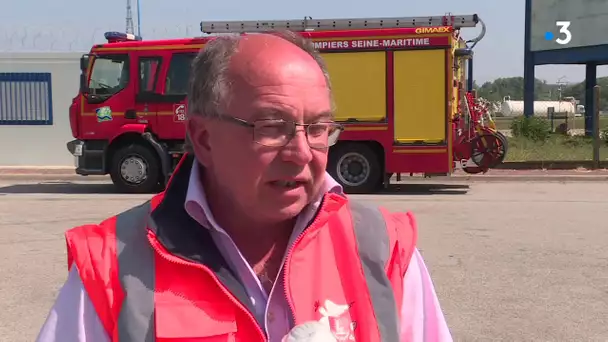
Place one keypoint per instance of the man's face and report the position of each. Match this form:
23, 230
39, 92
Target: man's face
277, 81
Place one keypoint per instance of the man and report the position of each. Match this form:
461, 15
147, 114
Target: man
251, 238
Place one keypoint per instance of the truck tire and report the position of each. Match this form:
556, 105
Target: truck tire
356, 167
135, 169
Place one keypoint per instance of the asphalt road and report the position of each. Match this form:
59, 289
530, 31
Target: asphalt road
511, 261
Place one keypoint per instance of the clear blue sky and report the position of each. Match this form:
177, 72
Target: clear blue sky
64, 25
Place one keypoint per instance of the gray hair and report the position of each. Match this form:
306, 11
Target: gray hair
210, 85
209, 89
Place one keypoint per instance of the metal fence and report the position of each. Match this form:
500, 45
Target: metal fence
51, 38
558, 139
26, 98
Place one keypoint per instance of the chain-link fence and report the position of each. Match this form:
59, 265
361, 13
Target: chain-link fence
52, 38
553, 138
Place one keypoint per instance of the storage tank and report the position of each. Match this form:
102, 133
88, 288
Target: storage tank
516, 108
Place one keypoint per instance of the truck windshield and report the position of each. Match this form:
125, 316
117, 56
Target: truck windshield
110, 74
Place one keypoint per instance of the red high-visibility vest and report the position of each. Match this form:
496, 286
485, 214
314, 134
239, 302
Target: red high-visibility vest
153, 274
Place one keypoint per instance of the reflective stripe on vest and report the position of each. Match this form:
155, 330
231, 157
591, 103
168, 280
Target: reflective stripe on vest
137, 271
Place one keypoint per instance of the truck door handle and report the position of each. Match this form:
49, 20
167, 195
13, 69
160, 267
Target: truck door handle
130, 114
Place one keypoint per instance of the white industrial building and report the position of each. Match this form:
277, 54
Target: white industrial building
36, 90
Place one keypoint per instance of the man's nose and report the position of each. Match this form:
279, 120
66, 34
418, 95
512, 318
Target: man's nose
298, 151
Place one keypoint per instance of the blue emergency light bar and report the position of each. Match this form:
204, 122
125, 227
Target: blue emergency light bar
115, 37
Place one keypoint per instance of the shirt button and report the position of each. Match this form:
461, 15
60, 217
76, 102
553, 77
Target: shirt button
270, 316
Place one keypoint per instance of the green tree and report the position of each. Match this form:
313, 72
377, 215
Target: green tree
514, 87
578, 91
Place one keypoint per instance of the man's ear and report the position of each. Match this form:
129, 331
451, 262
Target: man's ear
198, 132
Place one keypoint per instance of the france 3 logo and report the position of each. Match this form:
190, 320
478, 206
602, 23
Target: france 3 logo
564, 37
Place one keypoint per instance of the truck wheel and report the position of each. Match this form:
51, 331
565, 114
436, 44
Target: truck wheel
135, 169
356, 167
505, 142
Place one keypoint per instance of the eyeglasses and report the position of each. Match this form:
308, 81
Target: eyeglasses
278, 133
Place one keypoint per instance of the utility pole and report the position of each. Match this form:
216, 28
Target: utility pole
138, 19
129, 28
559, 88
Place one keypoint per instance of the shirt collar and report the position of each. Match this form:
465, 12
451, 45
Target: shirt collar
197, 207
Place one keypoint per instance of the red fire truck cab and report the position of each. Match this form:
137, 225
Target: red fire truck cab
398, 85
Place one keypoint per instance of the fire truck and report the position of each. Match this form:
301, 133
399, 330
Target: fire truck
400, 85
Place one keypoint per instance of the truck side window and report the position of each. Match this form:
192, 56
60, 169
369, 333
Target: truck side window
148, 73
178, 75
110, 74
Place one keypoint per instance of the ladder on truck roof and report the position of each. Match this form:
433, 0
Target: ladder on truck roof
308, 24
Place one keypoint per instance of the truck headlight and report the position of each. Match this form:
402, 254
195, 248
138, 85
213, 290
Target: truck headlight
75, 147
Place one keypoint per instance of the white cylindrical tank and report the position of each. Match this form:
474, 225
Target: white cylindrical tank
516, 108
